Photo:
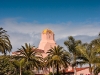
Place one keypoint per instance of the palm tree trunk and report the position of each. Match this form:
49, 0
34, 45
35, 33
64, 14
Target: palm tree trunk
75, 73
53, 69
4, 52
20, 70
90, 69
57, 69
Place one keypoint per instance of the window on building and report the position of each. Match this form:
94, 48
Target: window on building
49, 36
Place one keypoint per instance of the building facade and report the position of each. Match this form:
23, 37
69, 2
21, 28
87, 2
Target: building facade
47, 41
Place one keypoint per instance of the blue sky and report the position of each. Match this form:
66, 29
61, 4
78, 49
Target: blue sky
25, 19
51, 11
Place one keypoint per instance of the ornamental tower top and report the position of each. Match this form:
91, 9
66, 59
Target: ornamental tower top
47, 40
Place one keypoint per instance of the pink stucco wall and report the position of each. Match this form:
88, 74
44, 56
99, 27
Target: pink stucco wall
84, 72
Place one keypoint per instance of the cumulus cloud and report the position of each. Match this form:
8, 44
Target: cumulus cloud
30, 32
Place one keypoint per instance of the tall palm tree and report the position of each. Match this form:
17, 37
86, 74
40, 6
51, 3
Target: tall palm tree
89, 55
57, 57
71, 44
5, 44
18, 64
31, 56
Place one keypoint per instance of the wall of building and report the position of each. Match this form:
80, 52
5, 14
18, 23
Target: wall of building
47, 41
84, 72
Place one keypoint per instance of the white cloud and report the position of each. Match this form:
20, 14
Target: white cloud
21, 32
18, 39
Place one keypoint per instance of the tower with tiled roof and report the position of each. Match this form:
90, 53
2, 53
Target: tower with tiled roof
47, 40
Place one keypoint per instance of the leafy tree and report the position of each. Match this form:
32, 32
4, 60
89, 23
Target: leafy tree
71, 44
6, 67
97, 69
5, 44
89, 55
27, 72
96, 45
57, 57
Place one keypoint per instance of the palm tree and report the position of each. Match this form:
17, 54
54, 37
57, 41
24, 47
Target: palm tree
5, 44
57, 57
18, 64
31, 56
89, 55
71, 44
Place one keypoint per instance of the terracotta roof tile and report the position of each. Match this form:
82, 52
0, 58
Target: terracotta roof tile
37, 50
77, 69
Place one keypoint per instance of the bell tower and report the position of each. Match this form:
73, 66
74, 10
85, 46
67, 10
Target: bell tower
47, 40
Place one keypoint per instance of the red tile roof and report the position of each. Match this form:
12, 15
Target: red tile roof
37, 50
77, 69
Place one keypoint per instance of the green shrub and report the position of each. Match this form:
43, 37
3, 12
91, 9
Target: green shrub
54, 73
27, 73
50, 73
